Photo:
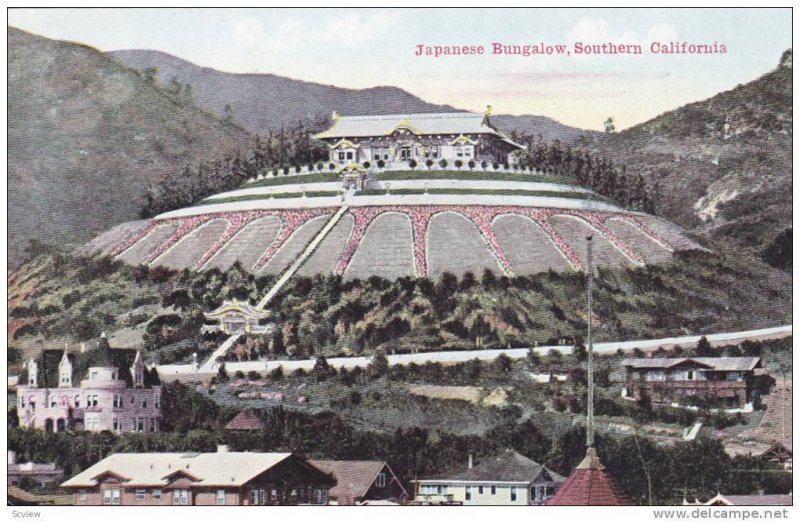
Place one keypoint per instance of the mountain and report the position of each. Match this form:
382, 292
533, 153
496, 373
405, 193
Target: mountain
722, 166
86, 135
264, 102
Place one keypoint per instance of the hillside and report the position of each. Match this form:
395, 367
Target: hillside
86, 136
264, 102
723, 166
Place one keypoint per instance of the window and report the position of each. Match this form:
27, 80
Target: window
257, 496
320, 496
139, 424
157, 403
273, 494
152, 425
156, 494
380, 482
180, 496
117, 401
77, 400
468, 493
94, 375
53, 402
144, 404
111, 496
435, 151
494, 490
82, 494
349, 155
133, 399
117, 424
513, 493
480, 489
220, 496
139, 494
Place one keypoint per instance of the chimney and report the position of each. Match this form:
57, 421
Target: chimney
12, 457
469, 462
222, 448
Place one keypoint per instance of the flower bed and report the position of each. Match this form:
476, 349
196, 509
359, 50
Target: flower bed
292, 220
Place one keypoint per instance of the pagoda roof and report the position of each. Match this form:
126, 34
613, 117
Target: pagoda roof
433, 123
236, 306
590, 484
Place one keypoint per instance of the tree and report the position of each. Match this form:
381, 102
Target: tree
443, 163
458, 164
471, 164
429, 163
608, 124
502, 364
379, 365
228, 113
412, 164
222, 373
579, 350
704, 348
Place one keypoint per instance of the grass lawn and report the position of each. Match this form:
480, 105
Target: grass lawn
487, 191
257, 197
400, 175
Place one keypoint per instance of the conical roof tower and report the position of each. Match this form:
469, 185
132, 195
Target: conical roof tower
590, 483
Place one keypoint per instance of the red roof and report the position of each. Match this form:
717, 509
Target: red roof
590, 484
246, 421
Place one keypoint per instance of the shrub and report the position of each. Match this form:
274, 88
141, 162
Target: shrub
471, 164
505, 166
254, 375
331, 167
320, 166
484, 164
276, 375
298, 169
495, 165
366, 164
381, 163
412, 164
429, 163
286, 170
239, 375
459, 163
443, 163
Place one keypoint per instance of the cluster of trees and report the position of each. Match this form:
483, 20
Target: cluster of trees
649, 473
195, 182
597, 173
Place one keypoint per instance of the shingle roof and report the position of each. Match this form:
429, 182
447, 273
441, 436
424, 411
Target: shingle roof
740, 363
590, 484
755, 501
434, 123
354, 478
246, 420
211, 469
509, 466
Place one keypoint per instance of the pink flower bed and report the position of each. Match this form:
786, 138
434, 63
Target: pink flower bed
133, 239
185, 226
236, 221
598, 222
642, 228
292, 220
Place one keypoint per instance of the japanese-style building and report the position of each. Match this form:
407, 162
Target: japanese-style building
97, 390
400, 138
506, 479
235, 316
722, 381
213, 478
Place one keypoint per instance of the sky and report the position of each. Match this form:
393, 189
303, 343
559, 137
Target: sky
359, 48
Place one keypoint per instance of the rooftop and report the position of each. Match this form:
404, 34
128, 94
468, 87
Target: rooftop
743, 363
509, 466
590, 484
220, 468
433, 123
354, 478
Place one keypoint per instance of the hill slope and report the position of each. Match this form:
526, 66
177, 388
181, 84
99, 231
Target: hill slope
86, 136
723, 165
264, 102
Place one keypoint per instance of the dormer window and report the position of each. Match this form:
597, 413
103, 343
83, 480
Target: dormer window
94, 375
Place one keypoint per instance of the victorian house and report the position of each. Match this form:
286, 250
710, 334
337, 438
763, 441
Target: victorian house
96, 390
397, 139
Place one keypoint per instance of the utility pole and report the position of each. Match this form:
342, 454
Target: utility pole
589, 370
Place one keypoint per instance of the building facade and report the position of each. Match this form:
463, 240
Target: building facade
722, 381
220, 478
102, 389
358, 482
400, 138
506, 479
235, 316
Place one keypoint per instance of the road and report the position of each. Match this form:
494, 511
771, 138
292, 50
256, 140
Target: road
188, 372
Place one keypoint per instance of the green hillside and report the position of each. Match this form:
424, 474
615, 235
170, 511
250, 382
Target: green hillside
86, 136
